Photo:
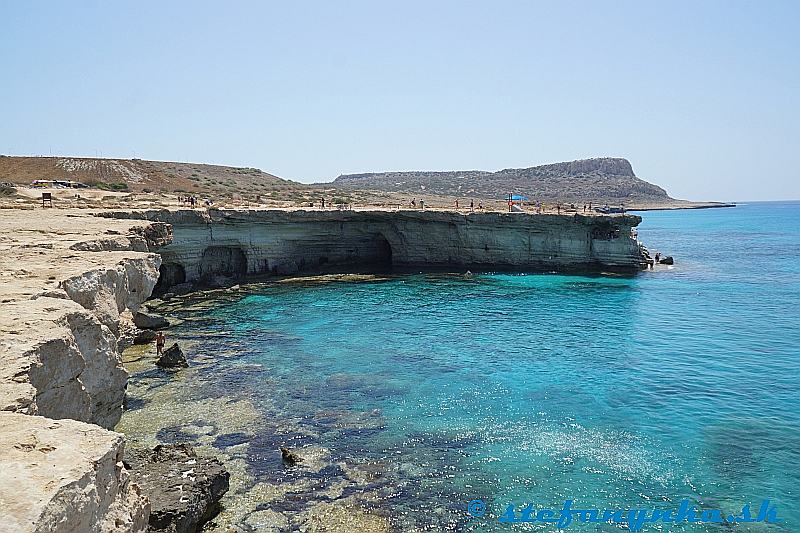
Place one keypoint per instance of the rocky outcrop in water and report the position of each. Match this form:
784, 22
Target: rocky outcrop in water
144, 336
145, 320
172, 358
184, 489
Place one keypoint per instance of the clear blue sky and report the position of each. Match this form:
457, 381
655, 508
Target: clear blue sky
703, 96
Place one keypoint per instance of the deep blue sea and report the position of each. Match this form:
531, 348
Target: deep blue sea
616, 392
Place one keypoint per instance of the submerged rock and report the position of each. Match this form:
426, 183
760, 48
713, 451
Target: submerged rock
290, 457
667, 260
145, 320
184, 489
172, 358
267, 520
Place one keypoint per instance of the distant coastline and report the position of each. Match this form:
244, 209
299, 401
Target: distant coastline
687, 205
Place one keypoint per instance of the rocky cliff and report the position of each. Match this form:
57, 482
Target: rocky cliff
68, 285
598, 180
215, 243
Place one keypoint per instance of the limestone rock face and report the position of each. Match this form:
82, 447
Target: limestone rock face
109, 291
65, 476
140, 239
59, 352
214, 243
67, 291
60, 356
184, 489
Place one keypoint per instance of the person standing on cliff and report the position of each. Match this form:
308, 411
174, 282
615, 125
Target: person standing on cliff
471, 205
161, 340
323, 202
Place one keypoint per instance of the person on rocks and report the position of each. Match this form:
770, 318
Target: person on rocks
161, 340
472, 205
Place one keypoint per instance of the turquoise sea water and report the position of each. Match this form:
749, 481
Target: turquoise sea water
615, 392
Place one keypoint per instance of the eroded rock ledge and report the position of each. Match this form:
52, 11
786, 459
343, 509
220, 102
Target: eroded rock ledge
212, 243
68, 283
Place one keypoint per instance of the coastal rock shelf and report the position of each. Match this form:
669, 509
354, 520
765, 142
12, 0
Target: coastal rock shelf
65, 476
215, 243
68, 284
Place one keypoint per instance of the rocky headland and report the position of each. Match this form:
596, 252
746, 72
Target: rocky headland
211, 244
601, 180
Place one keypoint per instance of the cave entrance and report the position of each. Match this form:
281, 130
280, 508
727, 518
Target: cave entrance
363, 253
169, 275
229, 261
372, 253
383, 252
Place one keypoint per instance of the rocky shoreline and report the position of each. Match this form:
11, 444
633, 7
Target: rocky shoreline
72, 284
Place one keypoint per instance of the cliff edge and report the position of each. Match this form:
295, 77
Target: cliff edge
68, 284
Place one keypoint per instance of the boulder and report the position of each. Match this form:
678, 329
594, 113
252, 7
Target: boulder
144, 336
667, 260
184, 489
172, 357
145, 320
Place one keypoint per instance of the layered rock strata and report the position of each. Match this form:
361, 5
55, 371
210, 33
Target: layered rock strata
214, 243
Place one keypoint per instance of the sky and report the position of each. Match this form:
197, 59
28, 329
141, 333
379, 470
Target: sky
703, 97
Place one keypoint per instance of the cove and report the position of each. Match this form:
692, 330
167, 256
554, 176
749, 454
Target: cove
414, 394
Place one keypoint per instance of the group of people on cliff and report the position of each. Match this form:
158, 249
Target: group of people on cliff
193, 201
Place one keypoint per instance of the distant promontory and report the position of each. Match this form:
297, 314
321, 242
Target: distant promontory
608, 180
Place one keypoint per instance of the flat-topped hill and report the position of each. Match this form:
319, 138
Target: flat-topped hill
603, 179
